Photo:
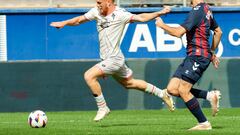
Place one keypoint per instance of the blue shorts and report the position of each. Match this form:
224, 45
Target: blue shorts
192, 68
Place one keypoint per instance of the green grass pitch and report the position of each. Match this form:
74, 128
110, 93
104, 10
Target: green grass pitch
130, 122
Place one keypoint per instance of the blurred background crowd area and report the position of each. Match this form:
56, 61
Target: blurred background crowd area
122, 3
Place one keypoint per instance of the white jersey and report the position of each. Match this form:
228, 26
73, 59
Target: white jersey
110, 29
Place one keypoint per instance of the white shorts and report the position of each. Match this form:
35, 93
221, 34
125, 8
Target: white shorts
115, 66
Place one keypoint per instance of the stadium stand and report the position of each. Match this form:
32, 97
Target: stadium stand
23, 3
157, 3
73, 3
91, 3
153, 3
46, 3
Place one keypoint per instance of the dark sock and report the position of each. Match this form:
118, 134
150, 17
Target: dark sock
199, 93
193, 106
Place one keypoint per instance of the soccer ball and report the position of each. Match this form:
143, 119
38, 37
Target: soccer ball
37, 119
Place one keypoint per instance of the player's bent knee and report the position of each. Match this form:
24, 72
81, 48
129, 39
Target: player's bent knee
173, 91
87, 77
170, 90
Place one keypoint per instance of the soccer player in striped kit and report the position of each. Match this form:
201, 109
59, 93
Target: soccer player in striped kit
111, 21
200, 54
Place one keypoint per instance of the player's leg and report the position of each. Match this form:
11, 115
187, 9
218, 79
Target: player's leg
91, 77
212, 96
192, 70
205, 94
107, 67
199, 93
141, 85
173, 85
193, 106
200, 64
185, 69
178, 87
124, 77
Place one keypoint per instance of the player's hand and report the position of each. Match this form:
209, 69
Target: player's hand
159, 22
58, 25
215, 61
165, 10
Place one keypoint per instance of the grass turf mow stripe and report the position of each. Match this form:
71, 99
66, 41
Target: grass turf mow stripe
127, 122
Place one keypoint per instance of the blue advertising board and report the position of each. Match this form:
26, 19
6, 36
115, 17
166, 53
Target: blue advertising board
29, 37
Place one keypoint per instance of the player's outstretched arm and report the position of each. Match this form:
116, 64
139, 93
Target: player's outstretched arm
144, 17
216, 40
71, 22
174, 31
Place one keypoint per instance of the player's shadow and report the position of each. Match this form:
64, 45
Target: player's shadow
214, 127
217, 127
132, 124
119, 125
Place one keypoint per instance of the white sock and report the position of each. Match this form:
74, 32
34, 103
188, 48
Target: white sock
101, 103
209, 96
204, 122
154, 90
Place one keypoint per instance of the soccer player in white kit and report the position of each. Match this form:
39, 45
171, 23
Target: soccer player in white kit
111, 21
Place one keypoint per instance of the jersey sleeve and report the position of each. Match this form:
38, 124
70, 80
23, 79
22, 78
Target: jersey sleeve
127, 16
91, 14
214, 24
193, 19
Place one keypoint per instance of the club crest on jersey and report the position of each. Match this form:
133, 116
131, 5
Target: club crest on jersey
113, 16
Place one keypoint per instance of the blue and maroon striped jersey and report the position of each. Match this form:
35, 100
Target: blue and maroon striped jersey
198, 25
